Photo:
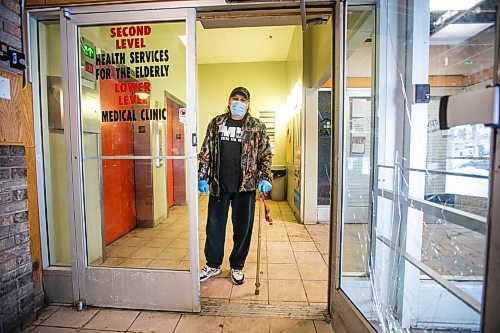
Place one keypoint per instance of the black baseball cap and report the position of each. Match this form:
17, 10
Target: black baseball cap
242, 91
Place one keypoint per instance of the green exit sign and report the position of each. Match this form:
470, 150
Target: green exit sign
89, 51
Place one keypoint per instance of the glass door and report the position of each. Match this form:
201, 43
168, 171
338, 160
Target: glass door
421, 258
130, 78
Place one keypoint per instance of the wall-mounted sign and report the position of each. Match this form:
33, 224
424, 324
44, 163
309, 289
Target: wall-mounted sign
182, 115
358, 145
89, 51
87, 58
89, 67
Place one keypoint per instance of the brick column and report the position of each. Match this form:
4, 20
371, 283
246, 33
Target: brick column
16, 284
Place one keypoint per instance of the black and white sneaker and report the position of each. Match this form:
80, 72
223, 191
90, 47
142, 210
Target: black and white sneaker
207, 272
237, 276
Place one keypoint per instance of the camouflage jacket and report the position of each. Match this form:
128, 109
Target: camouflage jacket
256, 155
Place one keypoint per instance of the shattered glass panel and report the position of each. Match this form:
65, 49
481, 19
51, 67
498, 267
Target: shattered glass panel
453, 250
413, 243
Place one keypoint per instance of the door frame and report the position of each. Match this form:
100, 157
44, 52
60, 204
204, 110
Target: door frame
343, 311
490, 321
346, 317
205, 7
164, 290
57, 280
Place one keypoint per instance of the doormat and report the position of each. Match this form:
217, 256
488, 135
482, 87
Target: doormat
210, 307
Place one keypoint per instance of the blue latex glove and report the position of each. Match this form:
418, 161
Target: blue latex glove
265, 186
203, 186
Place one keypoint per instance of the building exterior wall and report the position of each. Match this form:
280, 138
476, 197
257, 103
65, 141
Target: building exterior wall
20, 260
17, 290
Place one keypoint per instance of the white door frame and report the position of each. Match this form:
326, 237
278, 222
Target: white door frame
346, 317
124, 287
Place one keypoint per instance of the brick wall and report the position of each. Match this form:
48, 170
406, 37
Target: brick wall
10, 27
16, 284
17, 290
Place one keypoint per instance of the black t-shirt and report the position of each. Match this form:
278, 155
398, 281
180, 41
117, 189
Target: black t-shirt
230, 155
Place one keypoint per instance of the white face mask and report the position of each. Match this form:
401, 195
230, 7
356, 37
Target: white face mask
238, 109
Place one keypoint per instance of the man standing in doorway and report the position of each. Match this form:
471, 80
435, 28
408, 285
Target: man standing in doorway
235, 160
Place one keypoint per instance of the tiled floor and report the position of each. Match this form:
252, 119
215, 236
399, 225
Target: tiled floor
293, 256
57, 319
293, 265
164, 247
293, 272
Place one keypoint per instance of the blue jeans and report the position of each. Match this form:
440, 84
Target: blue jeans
242, 213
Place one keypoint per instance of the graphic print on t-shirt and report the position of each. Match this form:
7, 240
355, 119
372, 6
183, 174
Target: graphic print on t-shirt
230, 136
230, 133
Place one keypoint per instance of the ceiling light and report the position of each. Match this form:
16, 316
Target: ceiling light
442, 5
142, 95
457, 33
183, 40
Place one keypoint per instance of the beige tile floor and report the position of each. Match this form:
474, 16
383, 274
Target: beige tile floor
293, 266
293, 269
59, 319
163, 247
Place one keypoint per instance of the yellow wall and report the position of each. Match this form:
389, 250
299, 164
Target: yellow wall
57, 203
93, 212
295, 106
54, 154
266, 82
318, 55
166, 36
293, 85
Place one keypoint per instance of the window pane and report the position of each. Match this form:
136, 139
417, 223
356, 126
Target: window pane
324, 145
358, 151
133, 93
54, 145
414, 259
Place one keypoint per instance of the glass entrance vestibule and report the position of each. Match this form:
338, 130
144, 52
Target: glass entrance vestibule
352, 108
126, 129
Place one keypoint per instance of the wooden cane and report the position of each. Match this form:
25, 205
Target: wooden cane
257, 274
